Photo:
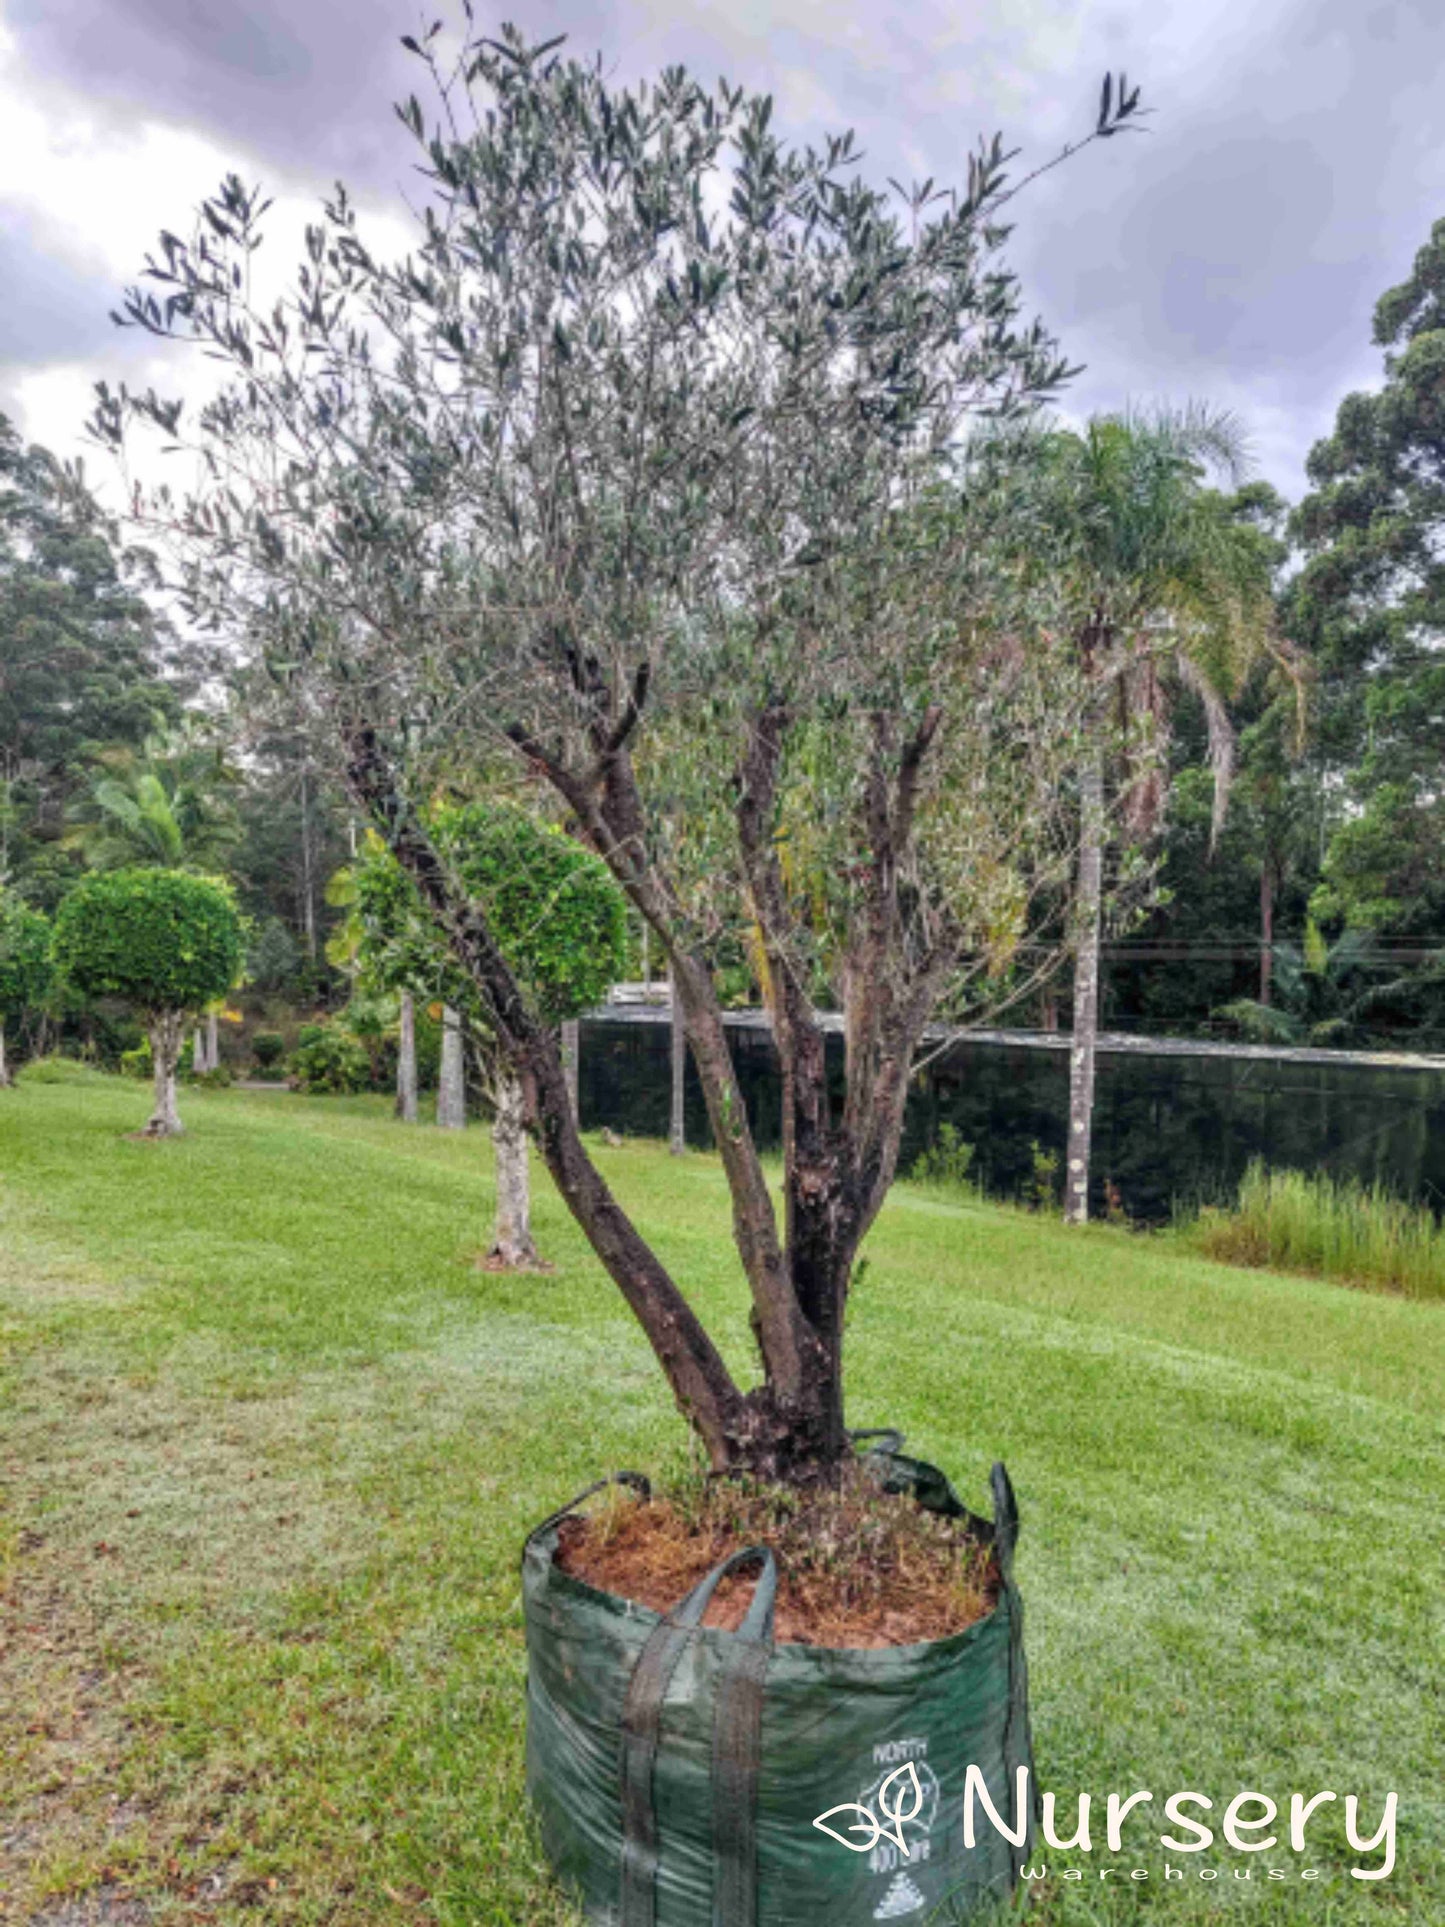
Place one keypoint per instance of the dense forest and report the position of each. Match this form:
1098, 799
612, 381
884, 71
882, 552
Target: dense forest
1296, 887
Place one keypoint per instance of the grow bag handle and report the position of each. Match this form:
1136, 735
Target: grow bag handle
639, 1483
758, 1620
1005, 1519
736, 1744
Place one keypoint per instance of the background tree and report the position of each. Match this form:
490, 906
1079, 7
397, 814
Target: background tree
1169, 592
25, 968
1370, 602
84, 661
163, 941
640, 486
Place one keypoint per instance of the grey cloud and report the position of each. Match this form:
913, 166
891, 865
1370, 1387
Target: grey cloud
49, 310
1234, 254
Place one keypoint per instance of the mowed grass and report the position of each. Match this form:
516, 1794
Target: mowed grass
270, 1444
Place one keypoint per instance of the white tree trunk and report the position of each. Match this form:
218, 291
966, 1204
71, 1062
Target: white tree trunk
572, 1063
676, 1136
1088, 908
5, 1077
167, 1030
406, 1061
213, 1041
452, 1082
512, 1245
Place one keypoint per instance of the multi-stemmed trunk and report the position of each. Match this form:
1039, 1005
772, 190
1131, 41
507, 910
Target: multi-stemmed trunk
167, 1032
406, 1060
513, 1248
1088, 916
452, 1078
838, 1166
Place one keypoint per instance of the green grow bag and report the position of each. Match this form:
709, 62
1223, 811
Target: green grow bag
677, 1770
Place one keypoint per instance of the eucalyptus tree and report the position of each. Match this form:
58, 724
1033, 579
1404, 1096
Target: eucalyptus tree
621, 473
1168, 592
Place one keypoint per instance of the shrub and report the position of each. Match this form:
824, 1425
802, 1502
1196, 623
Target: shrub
1041, 1187
1328, 1227
24, 966
947, 1162
138, 1062
268, 1047
328, 1058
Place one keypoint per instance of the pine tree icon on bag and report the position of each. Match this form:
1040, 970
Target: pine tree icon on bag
901, 1898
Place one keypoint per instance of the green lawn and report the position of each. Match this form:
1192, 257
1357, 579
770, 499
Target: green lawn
269, 1445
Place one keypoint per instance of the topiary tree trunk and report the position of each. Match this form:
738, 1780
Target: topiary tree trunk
451, 1081
406, 1061
166, 1030
513, 1248
572, 1062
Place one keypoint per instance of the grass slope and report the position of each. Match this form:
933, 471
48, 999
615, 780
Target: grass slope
269, 1445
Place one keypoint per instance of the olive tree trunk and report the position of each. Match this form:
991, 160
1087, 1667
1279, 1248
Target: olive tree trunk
452, 1081
406, 1061
1088, 910
167, 1032
513, 1248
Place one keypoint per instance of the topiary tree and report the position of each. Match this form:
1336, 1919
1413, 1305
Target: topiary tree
167, 943
25, 967
558, 917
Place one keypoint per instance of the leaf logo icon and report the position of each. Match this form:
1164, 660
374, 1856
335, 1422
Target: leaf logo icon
905, 1804
867, 1825
907, 1783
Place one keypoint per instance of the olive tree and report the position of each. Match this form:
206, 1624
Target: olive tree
560, 921
626, 473
24, 967
164, 941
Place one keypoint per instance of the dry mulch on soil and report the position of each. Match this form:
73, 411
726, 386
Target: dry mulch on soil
856, 1567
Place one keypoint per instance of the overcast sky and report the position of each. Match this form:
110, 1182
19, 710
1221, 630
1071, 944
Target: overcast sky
1233, 255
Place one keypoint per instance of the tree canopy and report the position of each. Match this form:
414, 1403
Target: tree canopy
160, 939
83, 659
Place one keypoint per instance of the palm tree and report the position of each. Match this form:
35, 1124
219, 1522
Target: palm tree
1169, 592
1322, 992
164, 804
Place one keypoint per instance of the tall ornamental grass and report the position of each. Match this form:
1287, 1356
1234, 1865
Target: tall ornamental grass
1330, 1227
